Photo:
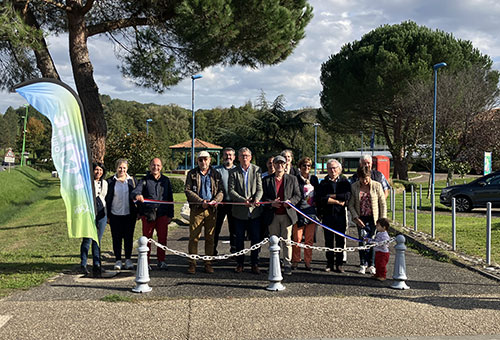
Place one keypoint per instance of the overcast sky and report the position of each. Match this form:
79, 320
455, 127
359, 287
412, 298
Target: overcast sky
335, 23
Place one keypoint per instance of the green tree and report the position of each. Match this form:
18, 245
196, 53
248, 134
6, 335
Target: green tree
37, 139
10, 129
465, 121
138, 148
363, 82
159, 42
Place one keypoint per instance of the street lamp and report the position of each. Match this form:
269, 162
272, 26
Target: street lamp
149, 120
433, 171
193, 78
315, 146
24, 134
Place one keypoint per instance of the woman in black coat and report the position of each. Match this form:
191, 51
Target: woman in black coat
122, 213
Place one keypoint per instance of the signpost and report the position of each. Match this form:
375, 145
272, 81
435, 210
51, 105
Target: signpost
10, 157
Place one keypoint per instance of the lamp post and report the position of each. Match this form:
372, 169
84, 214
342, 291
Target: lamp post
24, 134
433, 170
315, 146
149, 120
193, 78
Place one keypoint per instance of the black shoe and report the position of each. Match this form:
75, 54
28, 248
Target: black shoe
96, 271
84, 270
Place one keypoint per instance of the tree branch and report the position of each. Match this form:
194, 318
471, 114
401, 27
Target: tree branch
59, 5
88, 6
109, 26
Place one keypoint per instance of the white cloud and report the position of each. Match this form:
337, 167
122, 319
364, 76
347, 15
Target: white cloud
335, 23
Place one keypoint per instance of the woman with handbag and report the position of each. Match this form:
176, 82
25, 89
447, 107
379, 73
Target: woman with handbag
101, 189
121, 213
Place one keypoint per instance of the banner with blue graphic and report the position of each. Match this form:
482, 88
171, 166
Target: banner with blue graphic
70, 152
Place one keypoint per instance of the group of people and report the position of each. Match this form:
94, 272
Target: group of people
255, 204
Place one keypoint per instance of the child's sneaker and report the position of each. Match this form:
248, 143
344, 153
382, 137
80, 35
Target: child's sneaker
118, 265
372, 270
129, 264
362, 269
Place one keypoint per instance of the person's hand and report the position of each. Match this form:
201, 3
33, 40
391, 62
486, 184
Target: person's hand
248, 203
140, 198
276, 204
204, 204
359, 222
287, 205
213, 203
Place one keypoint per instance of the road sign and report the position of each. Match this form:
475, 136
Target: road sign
10, 157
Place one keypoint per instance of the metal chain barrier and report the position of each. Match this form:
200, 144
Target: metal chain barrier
336, 250
208, 257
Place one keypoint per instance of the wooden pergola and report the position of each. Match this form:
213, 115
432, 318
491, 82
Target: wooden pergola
199, 145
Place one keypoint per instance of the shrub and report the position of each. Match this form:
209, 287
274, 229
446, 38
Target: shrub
177, 185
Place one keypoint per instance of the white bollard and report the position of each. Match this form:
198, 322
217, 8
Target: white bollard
399, 274
142, 273
274, 276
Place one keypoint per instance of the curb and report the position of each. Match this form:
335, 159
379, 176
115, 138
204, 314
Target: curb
451, 256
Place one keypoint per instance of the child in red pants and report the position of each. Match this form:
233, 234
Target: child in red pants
381, 251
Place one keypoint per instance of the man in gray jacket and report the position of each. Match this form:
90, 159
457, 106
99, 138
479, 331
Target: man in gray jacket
245, 186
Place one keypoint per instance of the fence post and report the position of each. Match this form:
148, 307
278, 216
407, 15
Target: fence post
488, 233
394, 205
390, 198
420, 197
404, 208
142, 273
415, 211
274, 276
453, 224
411, 198
399, 274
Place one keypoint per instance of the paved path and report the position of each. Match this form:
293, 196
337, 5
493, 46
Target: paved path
444, 300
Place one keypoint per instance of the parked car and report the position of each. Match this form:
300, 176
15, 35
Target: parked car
474, 194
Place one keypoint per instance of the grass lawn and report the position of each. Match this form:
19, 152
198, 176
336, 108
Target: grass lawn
35, 244
471, 228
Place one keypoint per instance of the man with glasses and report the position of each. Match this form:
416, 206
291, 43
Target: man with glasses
203, 191
332, 196
280, 187
245, 186
367, 161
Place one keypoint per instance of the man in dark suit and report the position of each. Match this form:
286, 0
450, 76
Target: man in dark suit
280, 187
245, 186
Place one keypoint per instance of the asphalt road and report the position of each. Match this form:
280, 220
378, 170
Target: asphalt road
444, 300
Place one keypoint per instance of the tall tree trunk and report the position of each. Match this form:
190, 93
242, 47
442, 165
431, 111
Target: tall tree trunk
44, 60
400, 166
84, 79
